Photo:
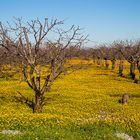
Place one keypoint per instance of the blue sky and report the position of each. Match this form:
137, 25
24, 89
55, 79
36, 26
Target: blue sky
103, 20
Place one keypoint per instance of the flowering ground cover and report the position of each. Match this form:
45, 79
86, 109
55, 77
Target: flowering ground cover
82, 105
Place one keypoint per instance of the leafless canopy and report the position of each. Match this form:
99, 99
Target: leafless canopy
28, 40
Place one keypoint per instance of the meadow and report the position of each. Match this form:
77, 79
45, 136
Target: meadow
82, 105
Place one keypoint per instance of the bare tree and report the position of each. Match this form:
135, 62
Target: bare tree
130, 50
26, 40
102, 52
116, 53
98, 54
121, 67
113, 55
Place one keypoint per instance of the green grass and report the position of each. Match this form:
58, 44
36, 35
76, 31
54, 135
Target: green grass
72, 132
81, 105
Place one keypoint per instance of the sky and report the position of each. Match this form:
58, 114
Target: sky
104, 20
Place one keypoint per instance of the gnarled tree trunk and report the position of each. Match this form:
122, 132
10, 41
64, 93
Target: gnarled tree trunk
132, 69
38, 103
106, 63
113, 63
99, 61
138, 65
121, 68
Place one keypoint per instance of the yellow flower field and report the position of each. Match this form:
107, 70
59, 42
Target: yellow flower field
87, 96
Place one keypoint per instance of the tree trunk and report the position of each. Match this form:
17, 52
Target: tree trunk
38, 103
99, 61
113, 63
138, 65
132, 70
121, 68
94, 61
106, 63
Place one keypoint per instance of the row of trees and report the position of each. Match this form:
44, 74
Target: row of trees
121, 50
118, 50
32, 44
